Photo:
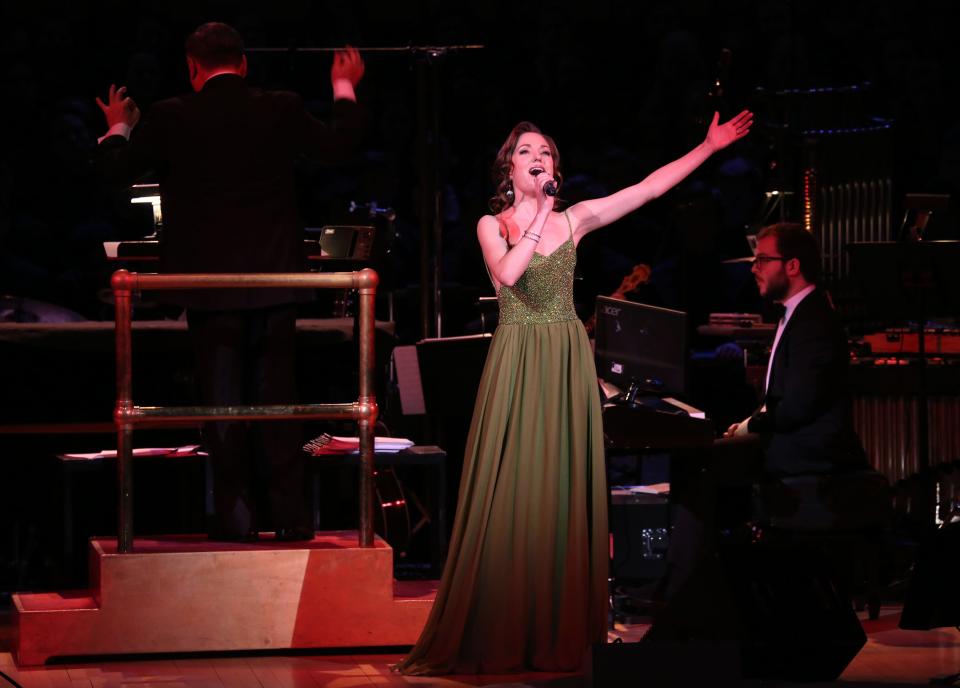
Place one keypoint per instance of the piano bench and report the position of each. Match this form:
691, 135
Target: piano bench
844, 517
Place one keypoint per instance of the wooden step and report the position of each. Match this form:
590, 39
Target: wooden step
186, 594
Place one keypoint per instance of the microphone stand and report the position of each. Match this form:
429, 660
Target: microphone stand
428, 60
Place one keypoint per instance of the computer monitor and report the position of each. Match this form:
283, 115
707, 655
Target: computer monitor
643, 344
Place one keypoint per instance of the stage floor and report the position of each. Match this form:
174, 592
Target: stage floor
892, 657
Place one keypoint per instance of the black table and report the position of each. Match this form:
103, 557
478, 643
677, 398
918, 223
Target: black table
429, 456
184, 502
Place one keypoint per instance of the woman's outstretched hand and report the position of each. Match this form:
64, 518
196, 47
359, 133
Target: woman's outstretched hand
722, 135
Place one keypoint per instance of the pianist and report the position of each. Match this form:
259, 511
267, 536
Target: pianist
797, 455
224, 157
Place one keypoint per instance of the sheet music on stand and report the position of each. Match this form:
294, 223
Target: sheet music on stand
172, 452
327, 444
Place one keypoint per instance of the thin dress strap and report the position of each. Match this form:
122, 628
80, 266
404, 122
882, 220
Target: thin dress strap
493, 283
506, 237
504, 230
569, 224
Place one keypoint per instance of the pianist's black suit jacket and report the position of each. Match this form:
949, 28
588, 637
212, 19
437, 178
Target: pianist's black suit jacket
807, 426
225, 158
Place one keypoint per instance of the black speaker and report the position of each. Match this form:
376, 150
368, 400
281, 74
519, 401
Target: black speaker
640, 526
666, 665
779, 604
932, 599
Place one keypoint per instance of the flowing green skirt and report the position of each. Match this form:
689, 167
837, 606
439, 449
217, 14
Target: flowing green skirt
525, 584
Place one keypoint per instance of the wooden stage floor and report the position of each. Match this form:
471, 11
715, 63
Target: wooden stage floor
892, 657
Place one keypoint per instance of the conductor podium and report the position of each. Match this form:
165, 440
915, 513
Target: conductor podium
186, 594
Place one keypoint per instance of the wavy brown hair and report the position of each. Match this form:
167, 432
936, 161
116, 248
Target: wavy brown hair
501, 165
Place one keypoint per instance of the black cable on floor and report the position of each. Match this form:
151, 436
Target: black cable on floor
9, 680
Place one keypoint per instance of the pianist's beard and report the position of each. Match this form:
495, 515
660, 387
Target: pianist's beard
776, 286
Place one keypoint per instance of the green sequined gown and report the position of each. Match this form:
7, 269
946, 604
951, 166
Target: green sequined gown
525, 585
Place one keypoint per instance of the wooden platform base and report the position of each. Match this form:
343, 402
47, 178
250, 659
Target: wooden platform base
187, 594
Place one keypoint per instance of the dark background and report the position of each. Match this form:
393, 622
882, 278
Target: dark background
622, 87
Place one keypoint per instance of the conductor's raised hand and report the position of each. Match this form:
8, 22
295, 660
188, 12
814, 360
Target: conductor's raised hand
119, 108
347, 64
722, 135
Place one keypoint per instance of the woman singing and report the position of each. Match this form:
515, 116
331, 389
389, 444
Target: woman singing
525, 584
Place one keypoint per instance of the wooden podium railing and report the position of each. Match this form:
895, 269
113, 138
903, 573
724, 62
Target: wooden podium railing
127, 416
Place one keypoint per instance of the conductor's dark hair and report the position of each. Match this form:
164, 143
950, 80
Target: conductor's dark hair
215, 45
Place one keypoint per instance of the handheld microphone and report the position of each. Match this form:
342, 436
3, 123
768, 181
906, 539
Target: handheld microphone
551, 187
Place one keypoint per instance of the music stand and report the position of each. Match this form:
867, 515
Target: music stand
343, 242
910, 281
339, 248
907, 281
925, 217
450, 370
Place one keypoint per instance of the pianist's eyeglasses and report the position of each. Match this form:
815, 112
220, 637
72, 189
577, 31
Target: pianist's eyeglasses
763, 260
